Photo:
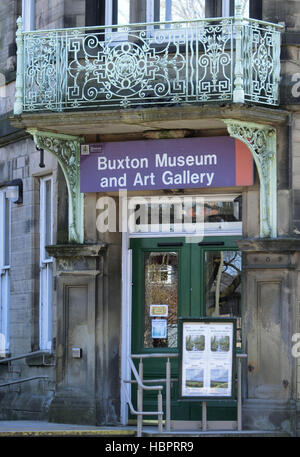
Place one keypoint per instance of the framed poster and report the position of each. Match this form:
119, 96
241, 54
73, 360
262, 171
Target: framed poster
158, 310
207, 358
159, 328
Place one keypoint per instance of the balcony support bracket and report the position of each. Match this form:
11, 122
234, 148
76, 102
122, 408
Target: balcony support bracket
66, 149
261, 140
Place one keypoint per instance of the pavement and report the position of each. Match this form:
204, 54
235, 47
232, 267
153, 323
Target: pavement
14, 429
47, 429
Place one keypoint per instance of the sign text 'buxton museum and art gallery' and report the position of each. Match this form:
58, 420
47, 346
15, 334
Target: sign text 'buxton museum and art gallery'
165, 164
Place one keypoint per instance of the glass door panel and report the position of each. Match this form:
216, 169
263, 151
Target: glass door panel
174, 279
161, 300
223, 270
178, 10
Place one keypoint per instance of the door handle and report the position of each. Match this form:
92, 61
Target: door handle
211, 243
167, 245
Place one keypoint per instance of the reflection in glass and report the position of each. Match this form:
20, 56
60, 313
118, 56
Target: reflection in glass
245, 6
123, 12
169, 216
223, 211
223, 285
161, 287
179, 10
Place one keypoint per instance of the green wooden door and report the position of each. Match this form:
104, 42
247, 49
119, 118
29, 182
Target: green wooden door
187, 280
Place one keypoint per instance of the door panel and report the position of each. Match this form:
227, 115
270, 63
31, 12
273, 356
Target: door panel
191, 280
161, 288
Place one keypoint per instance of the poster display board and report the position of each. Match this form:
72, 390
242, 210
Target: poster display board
207, 358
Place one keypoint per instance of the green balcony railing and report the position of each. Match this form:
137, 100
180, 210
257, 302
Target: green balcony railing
219, 60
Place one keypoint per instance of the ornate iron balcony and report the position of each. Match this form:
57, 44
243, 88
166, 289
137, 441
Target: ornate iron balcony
220, 60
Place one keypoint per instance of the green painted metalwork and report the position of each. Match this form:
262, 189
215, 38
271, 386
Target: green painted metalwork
66, 149
199, 61
238, 94
261, 140
261, 62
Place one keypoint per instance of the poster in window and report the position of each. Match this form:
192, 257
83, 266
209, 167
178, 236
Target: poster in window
159, 328
158, 310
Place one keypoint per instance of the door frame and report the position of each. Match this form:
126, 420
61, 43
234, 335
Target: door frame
126, 305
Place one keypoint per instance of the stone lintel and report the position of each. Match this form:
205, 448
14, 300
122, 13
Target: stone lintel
75, 250
269, 244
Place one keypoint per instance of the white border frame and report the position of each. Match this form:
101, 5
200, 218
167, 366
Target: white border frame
125, 348
28, 15
126, 324
46, 272
108, 12
120, 36
4, 275
225, 8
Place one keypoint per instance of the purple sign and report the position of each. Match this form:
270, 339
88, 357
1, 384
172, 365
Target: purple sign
165, 164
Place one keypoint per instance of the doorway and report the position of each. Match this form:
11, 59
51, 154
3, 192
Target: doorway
174, 279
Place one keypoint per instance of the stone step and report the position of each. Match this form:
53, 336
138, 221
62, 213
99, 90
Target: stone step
50, 429
115, 433
153, 432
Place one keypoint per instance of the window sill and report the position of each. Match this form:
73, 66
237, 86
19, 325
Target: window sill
4, 355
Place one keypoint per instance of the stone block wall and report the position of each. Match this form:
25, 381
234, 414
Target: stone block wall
296, 172
21, 161
9, 10
74, 13
278, 11
51, 14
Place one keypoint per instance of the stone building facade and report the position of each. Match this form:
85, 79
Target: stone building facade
69, 316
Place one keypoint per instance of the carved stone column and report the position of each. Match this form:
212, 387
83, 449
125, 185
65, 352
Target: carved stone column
261, 140
79, 282
66, 149
270, 271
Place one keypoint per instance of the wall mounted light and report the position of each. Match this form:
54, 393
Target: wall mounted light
42, 161
14, 191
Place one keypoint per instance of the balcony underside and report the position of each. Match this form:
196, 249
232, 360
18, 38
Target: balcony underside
134, 121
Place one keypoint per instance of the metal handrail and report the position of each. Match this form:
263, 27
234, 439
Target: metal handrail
150, 381
138, 379
93, 28
240, 357
157, 355
19, 381
168, 380
133, 411
141, 388
24, 356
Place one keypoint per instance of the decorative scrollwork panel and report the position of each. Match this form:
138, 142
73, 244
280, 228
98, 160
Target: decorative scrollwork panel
261, 62
140, 65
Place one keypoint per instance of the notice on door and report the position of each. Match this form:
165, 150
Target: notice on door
207, 358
